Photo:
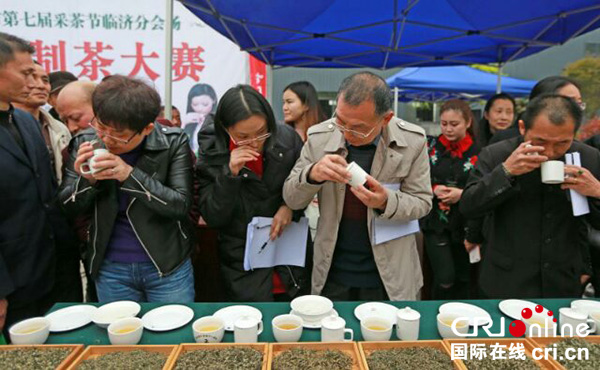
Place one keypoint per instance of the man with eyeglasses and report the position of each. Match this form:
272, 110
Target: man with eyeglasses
348, 265
139, 195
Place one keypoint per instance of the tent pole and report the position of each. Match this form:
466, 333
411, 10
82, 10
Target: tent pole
396, 101
168, 57
499, 80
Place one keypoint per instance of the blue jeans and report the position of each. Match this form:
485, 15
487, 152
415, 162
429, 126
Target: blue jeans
140, 282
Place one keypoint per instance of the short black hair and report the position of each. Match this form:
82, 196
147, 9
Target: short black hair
125, 103
558, 108
11, 44
240, 103
551, 85
362, 86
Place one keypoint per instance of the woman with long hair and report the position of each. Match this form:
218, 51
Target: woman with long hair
498, 115
244, 159
452, 156
301, 108
201, 103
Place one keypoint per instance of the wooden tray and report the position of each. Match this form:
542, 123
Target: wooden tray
96, 351
543, 342
366, 348
349, 348
75, 351
529, 346
262, 347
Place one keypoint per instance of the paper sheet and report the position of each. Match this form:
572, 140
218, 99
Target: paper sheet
385, 230
288, 249
579, 202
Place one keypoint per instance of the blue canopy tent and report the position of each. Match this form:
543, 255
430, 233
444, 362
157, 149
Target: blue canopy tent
439, 83
393, 33
396, 33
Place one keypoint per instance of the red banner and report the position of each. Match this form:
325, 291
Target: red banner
258, 75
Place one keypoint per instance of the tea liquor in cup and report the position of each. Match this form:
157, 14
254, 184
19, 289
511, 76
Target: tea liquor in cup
287, 328
446, 321
127, 331
376, 329
30, 331
246, 329
208, 329
333, 329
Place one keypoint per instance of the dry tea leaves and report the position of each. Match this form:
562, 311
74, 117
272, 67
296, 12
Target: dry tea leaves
592, 362
303, 359
138, 359
239, 358
33, 358
491, 363
422, 358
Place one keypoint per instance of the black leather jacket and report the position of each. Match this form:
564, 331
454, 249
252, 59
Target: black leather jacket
228, 203
160, 187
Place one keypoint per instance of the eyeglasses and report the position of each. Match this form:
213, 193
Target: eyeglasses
353, 132
104, 134
249, 141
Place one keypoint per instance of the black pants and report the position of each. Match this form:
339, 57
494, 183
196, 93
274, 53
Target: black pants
339, 292
450, 265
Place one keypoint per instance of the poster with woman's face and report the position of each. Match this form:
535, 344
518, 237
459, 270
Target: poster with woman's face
201, 101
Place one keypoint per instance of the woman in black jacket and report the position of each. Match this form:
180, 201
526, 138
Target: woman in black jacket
244, 159
452, 156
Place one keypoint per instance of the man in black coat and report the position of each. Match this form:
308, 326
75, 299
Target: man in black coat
536, 247
27, 189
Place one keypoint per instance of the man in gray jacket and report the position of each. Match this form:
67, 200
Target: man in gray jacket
348, 264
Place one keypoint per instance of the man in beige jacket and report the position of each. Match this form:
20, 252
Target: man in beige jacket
347, 263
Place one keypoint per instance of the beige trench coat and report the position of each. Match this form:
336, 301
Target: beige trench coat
400, 158
59, 139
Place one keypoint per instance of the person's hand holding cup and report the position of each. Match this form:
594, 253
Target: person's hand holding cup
331, 167
84, 163
524, 159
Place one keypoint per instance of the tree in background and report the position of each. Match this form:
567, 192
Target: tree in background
586, 71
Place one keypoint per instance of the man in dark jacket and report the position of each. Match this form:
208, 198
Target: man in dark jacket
536, 247
30, 222
139, 195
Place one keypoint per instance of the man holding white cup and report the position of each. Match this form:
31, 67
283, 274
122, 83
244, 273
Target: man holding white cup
535, 246
348, 264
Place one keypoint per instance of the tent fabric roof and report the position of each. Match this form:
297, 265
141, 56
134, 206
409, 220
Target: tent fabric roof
457, 79
396, 33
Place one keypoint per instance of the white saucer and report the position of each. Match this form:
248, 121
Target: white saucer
586, 305
111, 312
513, 307
376, 308
71, 317
232, 313
467, 310
314, 324
167, 317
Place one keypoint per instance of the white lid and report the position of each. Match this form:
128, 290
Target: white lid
408, 313
246, 322
333, 322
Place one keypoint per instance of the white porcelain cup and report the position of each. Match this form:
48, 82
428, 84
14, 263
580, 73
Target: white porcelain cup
209, 329
246, 329
376, 328
333, 329
540, 326
287, 328
575, 323
30, 331
553, 172
90, 164
127, 331
444, 324
359, 176
407, 324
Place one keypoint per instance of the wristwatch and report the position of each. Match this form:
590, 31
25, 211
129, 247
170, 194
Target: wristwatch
507, 172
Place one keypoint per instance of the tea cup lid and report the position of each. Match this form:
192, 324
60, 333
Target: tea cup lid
408, 313
246, 322
333, 322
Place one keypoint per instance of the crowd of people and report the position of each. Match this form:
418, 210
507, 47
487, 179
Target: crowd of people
104, 178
